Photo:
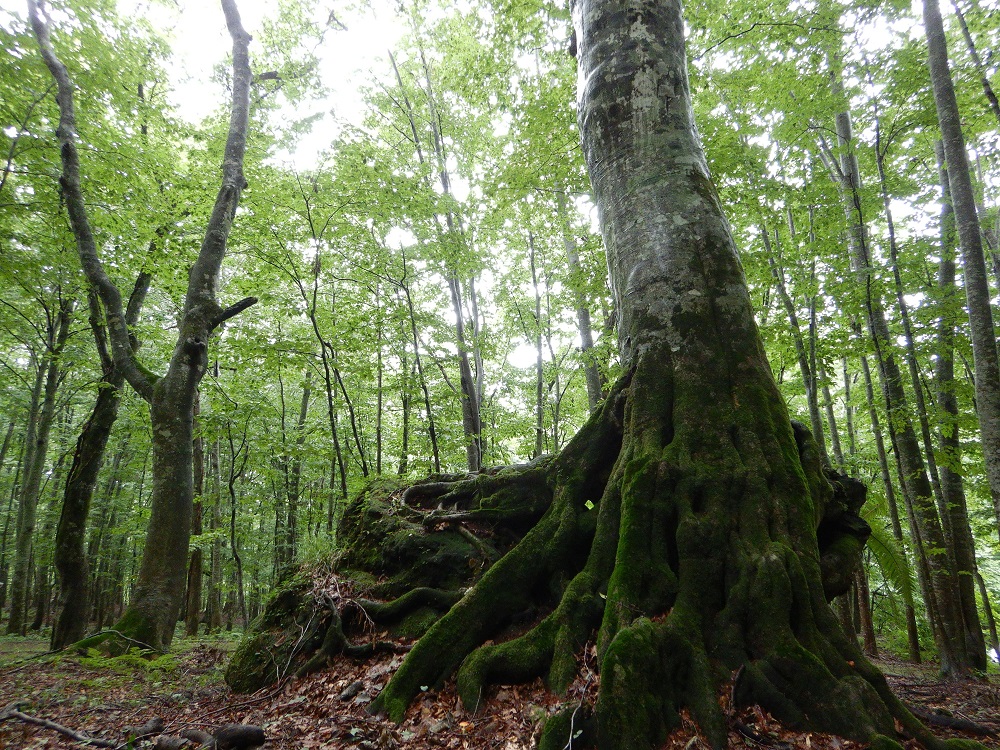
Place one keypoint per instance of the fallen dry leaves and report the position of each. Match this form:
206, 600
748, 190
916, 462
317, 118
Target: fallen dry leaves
328, 709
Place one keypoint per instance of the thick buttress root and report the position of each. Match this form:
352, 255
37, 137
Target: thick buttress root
689, 556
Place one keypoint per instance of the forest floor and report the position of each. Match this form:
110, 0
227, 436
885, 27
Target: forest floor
101, 697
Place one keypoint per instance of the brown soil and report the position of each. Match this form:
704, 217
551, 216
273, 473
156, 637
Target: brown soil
102, 696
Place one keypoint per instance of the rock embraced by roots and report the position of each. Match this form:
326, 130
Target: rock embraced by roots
696, 563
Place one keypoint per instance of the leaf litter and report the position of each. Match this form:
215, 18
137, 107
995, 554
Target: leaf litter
328, 709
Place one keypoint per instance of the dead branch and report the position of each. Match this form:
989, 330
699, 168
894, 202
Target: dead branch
11, 712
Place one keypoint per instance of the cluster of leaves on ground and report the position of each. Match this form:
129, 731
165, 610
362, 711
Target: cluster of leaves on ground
103, 696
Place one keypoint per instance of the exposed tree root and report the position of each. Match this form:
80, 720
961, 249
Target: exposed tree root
691, 555
687, 555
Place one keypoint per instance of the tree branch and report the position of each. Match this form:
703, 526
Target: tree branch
91, 263
11, 712
205, 271
232, 311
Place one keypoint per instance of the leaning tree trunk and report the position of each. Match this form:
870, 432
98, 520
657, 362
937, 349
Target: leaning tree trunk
684, 516
912, 637
70, 554
941, 588
159, 591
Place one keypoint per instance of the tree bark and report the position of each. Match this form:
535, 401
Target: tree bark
697, 504
961, 545
808, 375
591, 369
984, 347
196, 565
159, 591
36, 442
70, 557
941, 584
910, 348
912, 636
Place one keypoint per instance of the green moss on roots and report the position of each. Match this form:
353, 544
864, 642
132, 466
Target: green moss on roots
688, 553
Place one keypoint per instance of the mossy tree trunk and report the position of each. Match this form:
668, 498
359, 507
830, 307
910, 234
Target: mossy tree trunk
70, 555
49, 377
690, 529
159, 591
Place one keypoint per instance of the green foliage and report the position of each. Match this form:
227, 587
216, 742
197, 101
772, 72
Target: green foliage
462, 162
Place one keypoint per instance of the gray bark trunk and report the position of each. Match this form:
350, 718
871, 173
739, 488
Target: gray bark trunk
941, 580
802, 354
591, 369
159, 591
912, 635
962, 548
36, 444
984, 347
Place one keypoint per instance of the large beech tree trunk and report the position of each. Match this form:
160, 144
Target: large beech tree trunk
159, 590
685, 521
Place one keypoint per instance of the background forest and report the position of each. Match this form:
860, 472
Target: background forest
432, 291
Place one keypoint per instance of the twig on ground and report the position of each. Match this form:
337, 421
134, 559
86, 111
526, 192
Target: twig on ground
11, 712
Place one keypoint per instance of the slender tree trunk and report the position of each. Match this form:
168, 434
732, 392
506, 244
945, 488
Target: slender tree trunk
213, 610
984, 347
942, 584
238, 456
536, 331
849, 414
404, 439
865, 612
196, 565
838, 453
294, 490
910, 348
961, 545
991, 234
984, 78
591, 368
431, 430
42, 593
70, 557
37, 442
808, 379
990, 620
4, 569
470, 404
469, 393
912, 636
477, 359
379, 376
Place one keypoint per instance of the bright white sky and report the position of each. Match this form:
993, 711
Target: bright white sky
200, 41
197, 33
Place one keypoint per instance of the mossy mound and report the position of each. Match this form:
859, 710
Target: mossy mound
418, 546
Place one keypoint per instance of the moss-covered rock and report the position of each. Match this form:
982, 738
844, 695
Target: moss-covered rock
389, 551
